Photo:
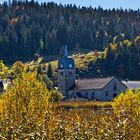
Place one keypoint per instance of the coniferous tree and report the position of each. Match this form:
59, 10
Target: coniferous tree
50, 71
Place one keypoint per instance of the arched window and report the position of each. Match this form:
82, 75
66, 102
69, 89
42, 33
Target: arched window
61, 73
93, 94
70, 73
106, 93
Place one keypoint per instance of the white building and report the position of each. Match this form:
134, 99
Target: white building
133, 85
101, 89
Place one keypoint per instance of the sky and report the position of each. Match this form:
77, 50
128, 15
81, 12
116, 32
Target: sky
106, 4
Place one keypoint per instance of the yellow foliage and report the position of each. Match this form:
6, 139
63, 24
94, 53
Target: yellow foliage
137, 40
113, 48
24, 108
17, 69
26, 114
4, 73
127, 103
127, 43
127, 110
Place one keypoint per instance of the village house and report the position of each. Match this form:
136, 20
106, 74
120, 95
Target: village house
100, 89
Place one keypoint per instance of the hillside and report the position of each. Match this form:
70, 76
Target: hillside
120, 58
30, 29
102, 42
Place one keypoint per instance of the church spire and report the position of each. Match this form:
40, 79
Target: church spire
65, 51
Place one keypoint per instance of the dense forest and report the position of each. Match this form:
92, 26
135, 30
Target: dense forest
29, 29
121, 58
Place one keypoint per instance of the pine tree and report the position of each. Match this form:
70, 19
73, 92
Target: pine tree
50, 71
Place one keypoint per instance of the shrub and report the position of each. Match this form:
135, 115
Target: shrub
25, 109
127, 111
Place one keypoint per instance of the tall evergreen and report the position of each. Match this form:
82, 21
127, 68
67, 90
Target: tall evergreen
50, 71
27, 27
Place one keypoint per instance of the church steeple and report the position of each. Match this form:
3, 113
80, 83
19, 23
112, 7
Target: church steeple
66, 51
66, 62
66, 73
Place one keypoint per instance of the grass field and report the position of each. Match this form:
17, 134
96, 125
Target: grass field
81, 60
83, 104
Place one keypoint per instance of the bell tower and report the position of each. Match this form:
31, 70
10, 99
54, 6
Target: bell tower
66, 73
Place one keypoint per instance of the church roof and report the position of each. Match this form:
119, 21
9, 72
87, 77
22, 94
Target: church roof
87, 84
132, 84
66, 62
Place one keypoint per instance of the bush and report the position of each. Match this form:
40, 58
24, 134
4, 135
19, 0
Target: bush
127, 111
25, 109
56, 96
45, 79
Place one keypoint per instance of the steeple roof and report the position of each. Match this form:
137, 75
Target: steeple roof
66, 51
66, 62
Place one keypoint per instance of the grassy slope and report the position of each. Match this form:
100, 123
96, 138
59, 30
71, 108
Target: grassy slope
81, 60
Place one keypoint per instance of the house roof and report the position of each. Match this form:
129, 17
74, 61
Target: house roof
87, 84
132, 84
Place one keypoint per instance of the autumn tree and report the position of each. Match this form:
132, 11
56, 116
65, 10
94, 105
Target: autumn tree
45, 79
50, 71
25, 109
126, 108
4, 72
17, 69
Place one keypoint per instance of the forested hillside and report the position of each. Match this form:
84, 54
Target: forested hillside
29, 29
121, 58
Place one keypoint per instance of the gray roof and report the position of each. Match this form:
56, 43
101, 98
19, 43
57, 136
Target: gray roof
87, 84
132, 84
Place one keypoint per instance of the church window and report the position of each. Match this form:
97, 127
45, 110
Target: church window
70, 73
61, 73
115, 87
70, 65
106, 93
61, 66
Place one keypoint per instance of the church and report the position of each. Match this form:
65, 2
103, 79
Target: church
98, 89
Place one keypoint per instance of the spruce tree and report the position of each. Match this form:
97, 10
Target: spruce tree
50, 71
